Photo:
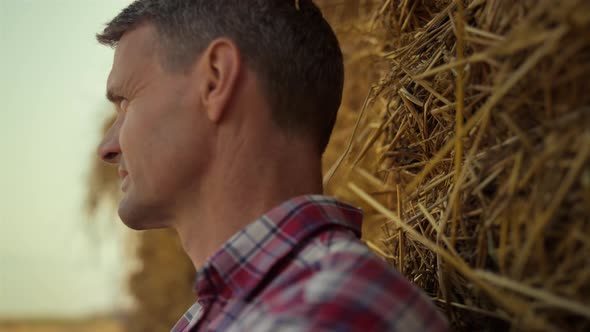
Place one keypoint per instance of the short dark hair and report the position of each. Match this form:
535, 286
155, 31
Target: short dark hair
288, 43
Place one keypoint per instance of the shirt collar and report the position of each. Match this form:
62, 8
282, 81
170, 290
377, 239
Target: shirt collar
249, 255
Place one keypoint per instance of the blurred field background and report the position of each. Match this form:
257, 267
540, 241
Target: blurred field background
84, 325
56, 264
463, 134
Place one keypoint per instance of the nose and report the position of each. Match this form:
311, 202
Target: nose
109, 149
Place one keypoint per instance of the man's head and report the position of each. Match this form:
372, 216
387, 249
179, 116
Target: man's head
293, 50
180, 65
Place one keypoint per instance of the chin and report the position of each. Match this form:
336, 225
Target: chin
140, 217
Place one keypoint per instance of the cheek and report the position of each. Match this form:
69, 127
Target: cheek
165, 146
179, 160
127, 135
133, 139
149, 147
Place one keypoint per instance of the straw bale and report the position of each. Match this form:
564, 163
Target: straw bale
471, 153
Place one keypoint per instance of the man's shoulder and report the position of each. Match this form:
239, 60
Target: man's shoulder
337, 277
344, 265
337, 249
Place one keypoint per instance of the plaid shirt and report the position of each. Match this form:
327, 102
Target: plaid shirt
302, 267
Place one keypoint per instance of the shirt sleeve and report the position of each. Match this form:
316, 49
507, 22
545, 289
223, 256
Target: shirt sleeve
362, 294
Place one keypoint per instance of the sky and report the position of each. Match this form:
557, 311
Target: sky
55, 262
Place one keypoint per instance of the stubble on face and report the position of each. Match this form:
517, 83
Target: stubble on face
162, 137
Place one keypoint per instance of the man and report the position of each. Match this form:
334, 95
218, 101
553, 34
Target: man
224, 109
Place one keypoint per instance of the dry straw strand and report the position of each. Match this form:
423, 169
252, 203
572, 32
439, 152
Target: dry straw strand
476, 144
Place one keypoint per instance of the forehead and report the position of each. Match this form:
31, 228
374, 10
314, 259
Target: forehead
135, 56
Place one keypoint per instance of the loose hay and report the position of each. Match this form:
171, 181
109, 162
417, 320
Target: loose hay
473, 151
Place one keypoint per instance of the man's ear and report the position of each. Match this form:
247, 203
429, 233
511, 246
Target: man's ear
221, 66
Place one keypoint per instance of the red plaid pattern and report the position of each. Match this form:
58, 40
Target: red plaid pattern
302, 267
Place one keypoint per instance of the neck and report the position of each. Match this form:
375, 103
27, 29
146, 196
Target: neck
244, 186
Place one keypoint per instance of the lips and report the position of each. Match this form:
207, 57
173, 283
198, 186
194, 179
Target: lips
124, 179
122, 173
124, 184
